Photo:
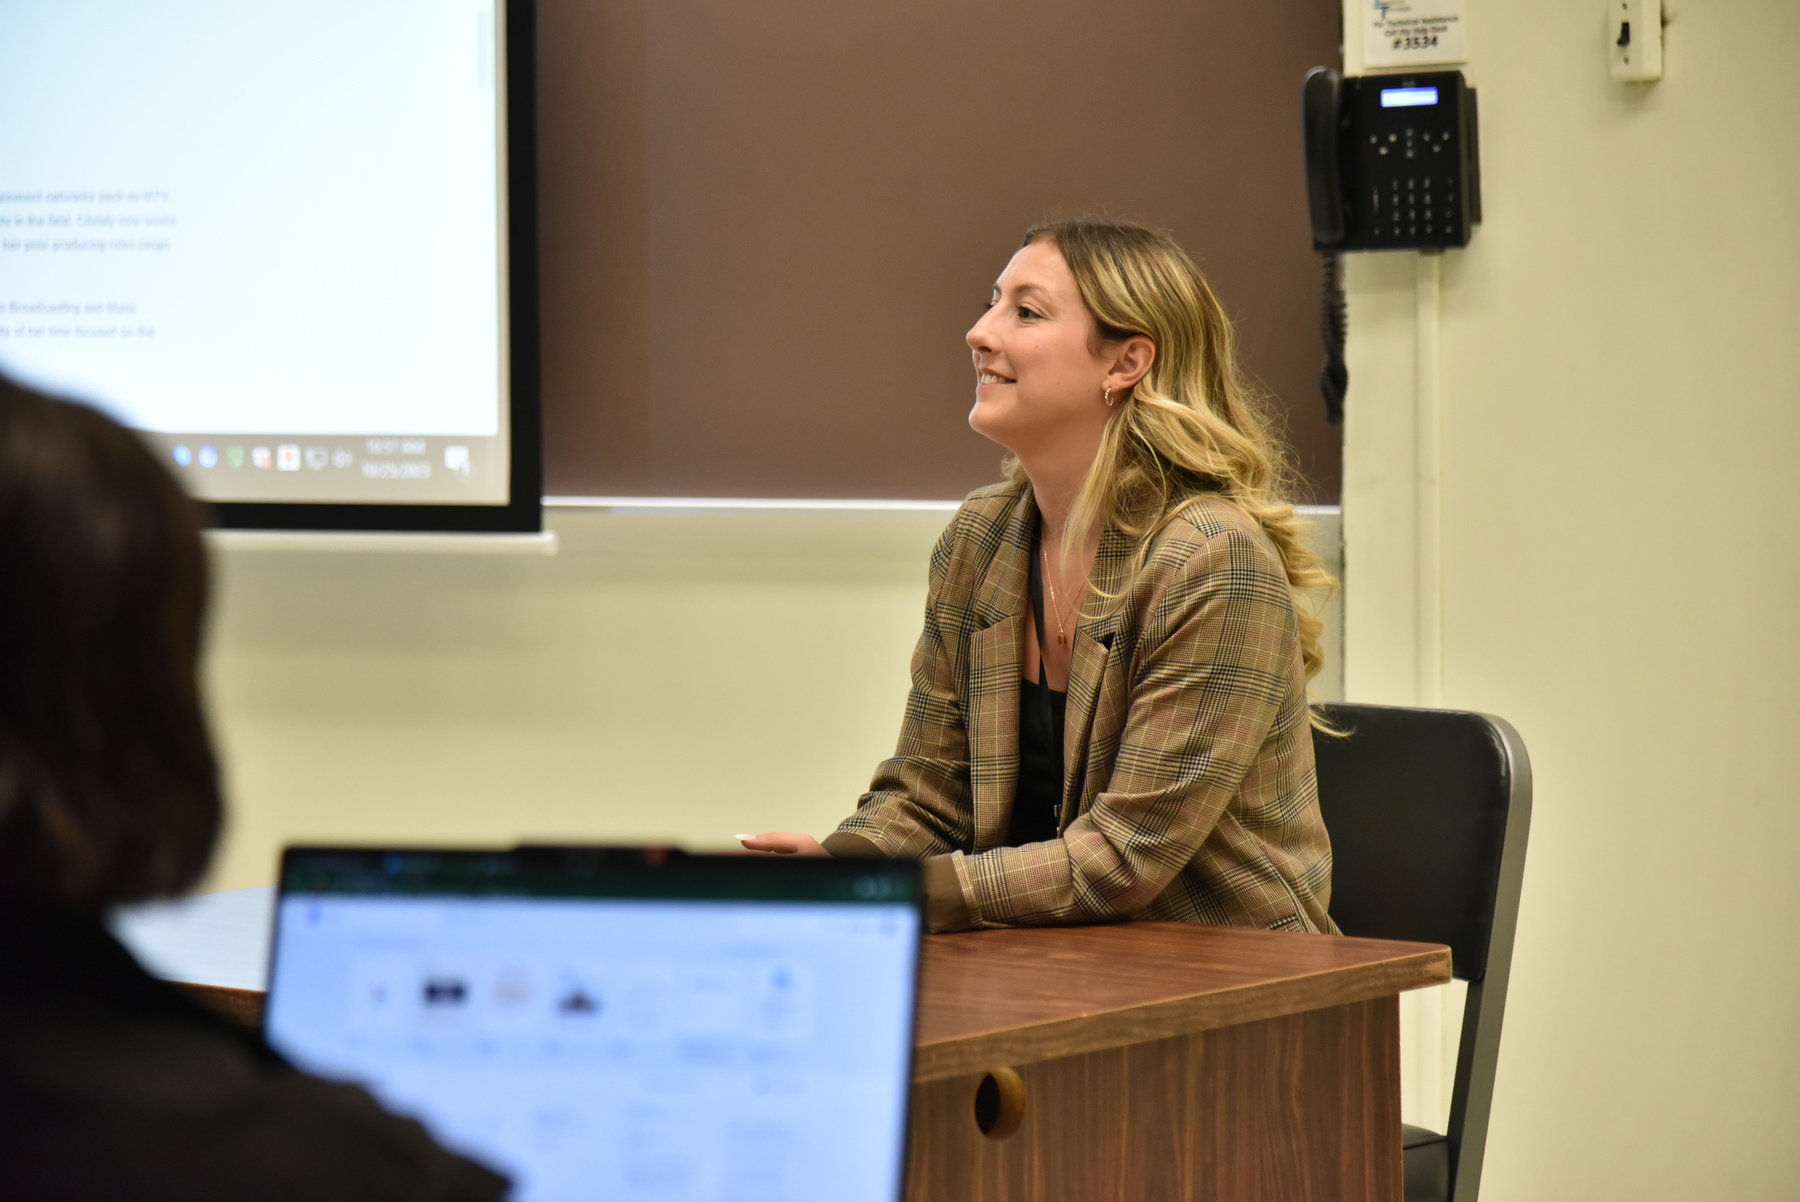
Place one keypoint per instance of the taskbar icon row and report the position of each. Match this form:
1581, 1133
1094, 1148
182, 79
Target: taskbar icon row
384, 457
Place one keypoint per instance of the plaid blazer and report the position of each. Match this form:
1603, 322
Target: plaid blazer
1189, 790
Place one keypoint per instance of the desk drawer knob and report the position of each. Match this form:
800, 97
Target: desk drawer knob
999, 1103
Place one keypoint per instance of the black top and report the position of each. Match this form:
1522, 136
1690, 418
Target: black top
114, 1085
1037, 798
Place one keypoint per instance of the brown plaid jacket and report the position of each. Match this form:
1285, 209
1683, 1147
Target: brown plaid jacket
1189, 793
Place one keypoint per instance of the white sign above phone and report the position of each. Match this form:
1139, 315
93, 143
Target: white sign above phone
1408, 33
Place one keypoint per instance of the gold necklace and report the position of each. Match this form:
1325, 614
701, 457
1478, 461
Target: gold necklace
1061, 634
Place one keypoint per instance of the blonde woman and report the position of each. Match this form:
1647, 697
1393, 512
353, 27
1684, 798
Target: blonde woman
1108, 716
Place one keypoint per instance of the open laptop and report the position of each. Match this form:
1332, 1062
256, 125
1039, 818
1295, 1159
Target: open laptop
615, 1024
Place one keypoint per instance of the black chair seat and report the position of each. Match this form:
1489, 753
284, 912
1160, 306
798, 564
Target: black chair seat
1413, 1137
1427, 1164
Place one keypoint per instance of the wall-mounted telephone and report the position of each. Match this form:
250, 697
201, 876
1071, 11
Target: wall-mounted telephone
1392, 163
1391, 160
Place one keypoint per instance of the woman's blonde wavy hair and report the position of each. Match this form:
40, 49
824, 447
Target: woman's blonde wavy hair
1193, 425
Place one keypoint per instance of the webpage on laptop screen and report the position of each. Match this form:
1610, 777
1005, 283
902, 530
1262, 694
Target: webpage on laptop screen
618, 1049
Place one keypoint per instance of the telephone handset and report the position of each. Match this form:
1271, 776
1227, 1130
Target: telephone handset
1392, 163
1324, 184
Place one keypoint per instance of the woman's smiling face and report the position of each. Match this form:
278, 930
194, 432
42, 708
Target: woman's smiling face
1039, 374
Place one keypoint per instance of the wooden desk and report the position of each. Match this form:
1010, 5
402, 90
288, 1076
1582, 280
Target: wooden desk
1159, 1061
1164, 1061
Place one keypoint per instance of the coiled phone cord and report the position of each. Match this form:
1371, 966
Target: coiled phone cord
1334, 376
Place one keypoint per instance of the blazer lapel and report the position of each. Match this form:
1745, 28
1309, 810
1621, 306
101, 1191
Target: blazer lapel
996, 650
1087, 669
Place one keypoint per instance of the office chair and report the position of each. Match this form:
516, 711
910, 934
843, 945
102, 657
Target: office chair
1428, 812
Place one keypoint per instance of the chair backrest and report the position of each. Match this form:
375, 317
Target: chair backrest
1428, 812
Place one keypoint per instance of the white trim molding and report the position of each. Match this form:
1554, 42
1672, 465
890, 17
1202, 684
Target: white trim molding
741, 503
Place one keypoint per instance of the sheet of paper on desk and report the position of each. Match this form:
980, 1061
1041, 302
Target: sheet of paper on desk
210, 939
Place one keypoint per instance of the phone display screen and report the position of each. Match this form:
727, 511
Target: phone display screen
1396, 98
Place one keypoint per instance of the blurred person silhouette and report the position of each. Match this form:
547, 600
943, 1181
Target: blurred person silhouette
114, 1084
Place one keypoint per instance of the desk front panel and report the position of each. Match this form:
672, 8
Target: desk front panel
1303, 1106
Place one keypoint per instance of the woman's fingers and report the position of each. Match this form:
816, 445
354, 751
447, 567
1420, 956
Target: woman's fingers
783, 843
775, 841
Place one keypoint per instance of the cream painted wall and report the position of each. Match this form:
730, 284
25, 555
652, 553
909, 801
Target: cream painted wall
1620, 423
667, 676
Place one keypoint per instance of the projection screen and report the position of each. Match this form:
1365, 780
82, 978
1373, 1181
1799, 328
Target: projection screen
292, 245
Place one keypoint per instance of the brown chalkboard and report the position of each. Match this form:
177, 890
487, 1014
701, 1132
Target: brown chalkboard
767, 223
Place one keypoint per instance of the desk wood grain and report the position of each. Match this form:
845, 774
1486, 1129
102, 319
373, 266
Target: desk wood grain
1016, 997
1300, 1108
239, 1005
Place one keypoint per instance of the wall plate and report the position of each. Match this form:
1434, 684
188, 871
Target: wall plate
1634, 35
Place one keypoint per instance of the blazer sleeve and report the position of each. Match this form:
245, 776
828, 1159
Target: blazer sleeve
1215, 662
919, 803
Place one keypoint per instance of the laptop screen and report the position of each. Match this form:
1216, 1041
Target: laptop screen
615, 1024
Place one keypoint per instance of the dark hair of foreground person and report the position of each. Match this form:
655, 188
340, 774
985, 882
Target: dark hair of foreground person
108, 788
115, 1085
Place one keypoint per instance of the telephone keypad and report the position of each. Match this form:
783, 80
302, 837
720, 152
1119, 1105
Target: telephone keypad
1411, 160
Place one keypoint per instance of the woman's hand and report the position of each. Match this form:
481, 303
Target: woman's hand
784, 844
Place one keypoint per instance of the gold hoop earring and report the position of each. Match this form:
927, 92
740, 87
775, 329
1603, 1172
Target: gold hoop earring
1109, 400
